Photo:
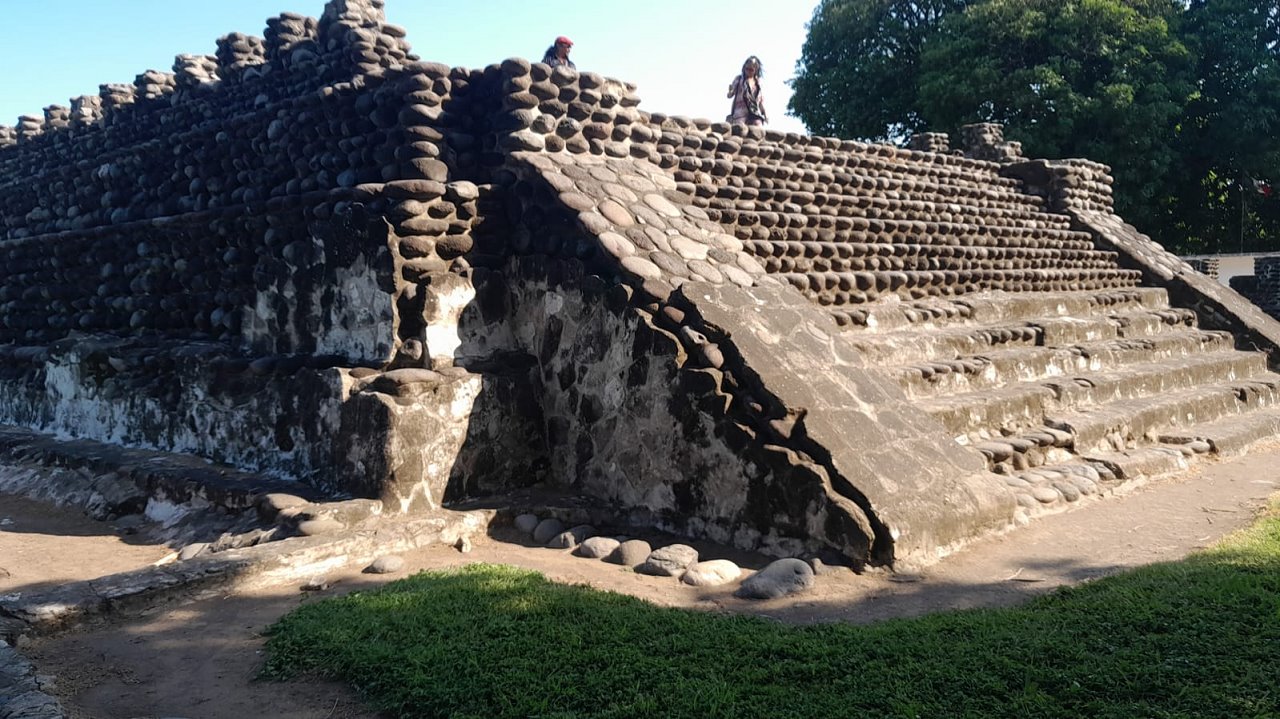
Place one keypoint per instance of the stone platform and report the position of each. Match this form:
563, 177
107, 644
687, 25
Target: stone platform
317, 260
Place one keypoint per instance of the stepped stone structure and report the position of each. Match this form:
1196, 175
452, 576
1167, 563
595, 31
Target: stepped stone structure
313, 256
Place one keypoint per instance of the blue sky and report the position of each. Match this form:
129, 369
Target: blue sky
681, 53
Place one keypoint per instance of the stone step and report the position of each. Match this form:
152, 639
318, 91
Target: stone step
1231, 436
1058, 486
1003, 367
140, 474
832, 200
1027, 404
836, 252
858, 181
844, 288
925, 262
913, 346
901, 221
989, 307
1121, 424
1157, 377
845, 172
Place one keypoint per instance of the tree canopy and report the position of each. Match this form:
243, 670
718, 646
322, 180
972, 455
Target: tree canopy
1181, 99
868, 48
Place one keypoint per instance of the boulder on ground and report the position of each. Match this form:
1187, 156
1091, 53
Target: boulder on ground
527, 523
546, 530
386, 564
711, 573
780, 579
669, 561
597, 547
630, 553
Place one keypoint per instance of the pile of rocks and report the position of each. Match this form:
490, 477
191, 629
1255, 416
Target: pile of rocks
195, 74
86, 111
561, 109
154, 85
985, 141
930, 142
780, 578
1206, 265
1083, 184
291, 41
30, 127
57, 117
115, 97
357, 31
239, 55
1265, 290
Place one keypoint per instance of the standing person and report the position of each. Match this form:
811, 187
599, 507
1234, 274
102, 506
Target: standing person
558, 54
748, 105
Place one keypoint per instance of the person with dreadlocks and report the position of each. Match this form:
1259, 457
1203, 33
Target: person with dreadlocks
748, 105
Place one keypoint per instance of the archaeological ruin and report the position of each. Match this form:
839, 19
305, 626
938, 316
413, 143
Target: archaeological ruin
312, 264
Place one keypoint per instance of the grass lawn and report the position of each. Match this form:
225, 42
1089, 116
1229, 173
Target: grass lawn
1195, 638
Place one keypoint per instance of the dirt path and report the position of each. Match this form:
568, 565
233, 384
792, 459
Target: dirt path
198, 660
43, 546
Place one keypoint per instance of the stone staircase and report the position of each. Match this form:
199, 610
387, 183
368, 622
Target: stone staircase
996, 316
851, 224
1065, 393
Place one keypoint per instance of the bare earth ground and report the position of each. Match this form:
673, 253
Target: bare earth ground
43, 546
198, 660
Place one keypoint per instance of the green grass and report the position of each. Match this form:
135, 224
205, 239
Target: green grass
1194, 638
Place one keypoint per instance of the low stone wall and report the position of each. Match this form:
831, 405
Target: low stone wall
1267, 272
1206, 266
414, 438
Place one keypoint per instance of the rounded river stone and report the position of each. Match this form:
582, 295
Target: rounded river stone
711, 573
616, 213
630, 553
597, 547
386, 564
669, 561
527, 523
547, 529
780, 579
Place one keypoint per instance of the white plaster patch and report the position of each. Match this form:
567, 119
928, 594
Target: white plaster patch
165, 512
359, 323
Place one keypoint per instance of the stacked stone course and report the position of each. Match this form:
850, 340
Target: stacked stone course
1263, 286
1206, 265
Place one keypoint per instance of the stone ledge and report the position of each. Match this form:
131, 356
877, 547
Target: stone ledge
178, 478
21, 694
264, 565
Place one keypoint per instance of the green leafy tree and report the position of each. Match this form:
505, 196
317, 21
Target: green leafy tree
1103, 79
1180, 97
1230, 134
857, 71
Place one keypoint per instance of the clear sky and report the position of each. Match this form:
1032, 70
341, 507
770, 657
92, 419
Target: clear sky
681, 53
